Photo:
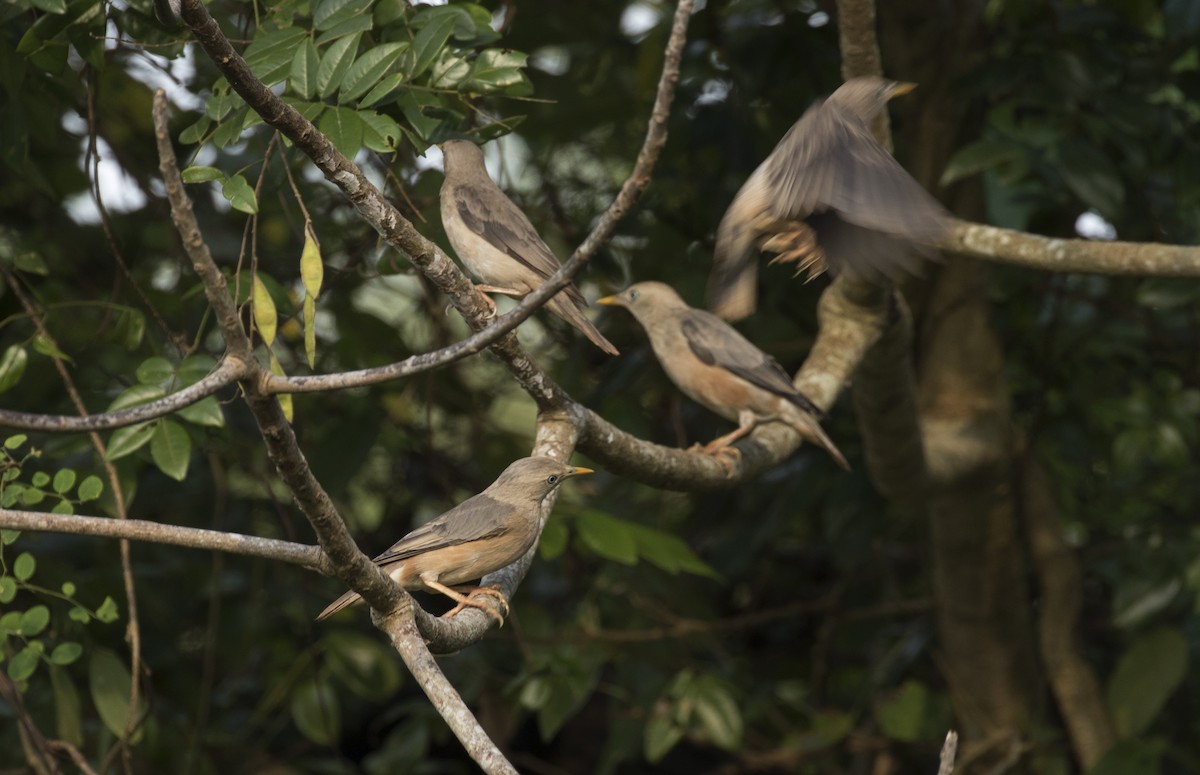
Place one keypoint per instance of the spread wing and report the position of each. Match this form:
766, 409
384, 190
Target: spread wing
716, 343
480, 516
486, 211
829, 160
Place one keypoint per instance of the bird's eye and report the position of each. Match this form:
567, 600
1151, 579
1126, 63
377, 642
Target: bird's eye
552, 479
633, 295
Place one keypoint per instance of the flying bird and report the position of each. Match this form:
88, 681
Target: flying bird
828, 197
496, 241
479, 536
720, 369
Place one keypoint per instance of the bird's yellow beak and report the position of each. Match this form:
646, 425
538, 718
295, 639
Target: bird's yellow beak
902, 87
577, 470
610, 301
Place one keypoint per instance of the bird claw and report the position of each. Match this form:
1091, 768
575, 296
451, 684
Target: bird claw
469, 600
797, 245
722, 453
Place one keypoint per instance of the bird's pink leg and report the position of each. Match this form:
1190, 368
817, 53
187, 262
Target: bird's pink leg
431, 582
720, 447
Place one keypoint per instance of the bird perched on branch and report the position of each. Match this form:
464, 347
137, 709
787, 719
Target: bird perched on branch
719, 368
828, 197
496, 241
479, 536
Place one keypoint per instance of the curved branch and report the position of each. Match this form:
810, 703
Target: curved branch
229, 371
1145, 259
303, 555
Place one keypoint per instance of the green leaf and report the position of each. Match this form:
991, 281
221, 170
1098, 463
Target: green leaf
194, 134
34, 621
449, 71
270, 55
1167, 292
337, 60
430, 41
171, 449
32, 496
24, 566
31, 262
51, 6
330, 13
41, 479
68, 710
344, 129
8, 589
107, 612
316, 711
977, 157
155, 371
284, 399
108, 679
230, 130
12, 366
661, 735
126, 441
381, 90
901, 715
66, 653
1145, 678
496, 69
304, 70
195, 368
312, 269
366, 71
380, 133
130, 328
363, 665
136, 396
668, 552
46, 347
607, 536
348, 27
200, 174
15, 440
64, 480
716, 712
24, 663
79, 614
90, 488
240, 194
64, 506
414, 105
10, 622
68, 588
206, 412
220, 105
265, 316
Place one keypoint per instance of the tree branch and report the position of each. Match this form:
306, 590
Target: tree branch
1144, 259
305, 555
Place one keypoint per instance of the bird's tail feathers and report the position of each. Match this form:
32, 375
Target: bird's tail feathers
346, 600
571, 313
808, 427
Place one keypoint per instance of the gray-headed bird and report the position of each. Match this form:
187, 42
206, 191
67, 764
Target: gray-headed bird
719, 368
828, 197
496, 241
479, 536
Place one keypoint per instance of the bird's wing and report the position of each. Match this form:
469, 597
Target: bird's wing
718, 344
829, 160
488, 212
480, 516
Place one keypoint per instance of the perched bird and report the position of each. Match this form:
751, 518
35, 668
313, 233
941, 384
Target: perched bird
496, 241
481, 535
719, 368
828, 196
